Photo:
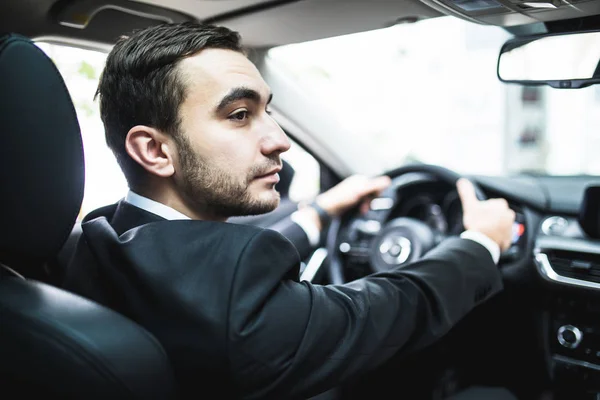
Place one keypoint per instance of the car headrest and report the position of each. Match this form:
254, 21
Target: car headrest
41, 156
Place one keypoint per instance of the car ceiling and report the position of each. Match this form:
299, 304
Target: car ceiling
262, 23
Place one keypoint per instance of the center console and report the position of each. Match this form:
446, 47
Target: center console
574, 345
567, 255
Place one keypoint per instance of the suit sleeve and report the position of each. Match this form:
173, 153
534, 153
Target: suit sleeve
290, 339
295, 234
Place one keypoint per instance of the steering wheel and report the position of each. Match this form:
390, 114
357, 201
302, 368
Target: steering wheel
400, 240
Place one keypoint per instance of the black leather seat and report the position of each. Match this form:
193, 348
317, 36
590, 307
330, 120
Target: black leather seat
53, 343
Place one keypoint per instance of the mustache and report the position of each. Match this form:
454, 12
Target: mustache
263, 169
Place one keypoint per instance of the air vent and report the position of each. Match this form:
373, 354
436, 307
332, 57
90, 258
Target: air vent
575, 265
569, 261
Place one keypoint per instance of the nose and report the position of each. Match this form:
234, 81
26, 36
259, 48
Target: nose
274, 141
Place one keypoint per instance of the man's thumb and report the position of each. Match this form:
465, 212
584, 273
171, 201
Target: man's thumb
466, 191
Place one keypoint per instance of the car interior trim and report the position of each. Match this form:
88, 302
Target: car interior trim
545, 269
568, 360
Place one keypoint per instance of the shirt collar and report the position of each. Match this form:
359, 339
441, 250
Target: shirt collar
153, 206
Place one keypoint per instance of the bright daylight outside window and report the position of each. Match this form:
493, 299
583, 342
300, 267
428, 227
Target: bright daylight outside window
104, 181
80, 68
429, 92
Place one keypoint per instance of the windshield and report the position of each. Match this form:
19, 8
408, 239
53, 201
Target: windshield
429, 92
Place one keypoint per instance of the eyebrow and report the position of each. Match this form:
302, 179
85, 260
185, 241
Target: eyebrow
240, 93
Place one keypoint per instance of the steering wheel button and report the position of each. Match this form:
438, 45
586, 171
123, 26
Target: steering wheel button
370, 227
381, 203
344, 247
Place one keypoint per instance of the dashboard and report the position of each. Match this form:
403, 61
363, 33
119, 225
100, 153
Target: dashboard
551, 272
437, 205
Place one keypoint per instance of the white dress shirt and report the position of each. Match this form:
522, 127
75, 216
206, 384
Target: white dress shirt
485, 241
312, 232
153, 206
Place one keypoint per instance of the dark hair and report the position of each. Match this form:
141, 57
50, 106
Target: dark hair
140, 84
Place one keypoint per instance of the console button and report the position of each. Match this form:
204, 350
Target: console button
569, 336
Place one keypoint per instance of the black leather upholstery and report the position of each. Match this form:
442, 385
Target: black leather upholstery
63, 346
41, 155
54, 343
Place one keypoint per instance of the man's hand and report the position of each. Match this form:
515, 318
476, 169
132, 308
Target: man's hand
491, 217
350, 192
345, 195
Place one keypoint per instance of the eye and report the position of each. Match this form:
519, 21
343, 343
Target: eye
240, 115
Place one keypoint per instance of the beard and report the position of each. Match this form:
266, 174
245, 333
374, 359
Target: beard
212, 190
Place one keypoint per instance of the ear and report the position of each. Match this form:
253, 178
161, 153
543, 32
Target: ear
152, 149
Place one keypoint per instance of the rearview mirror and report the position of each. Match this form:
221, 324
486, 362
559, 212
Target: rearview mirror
567, 60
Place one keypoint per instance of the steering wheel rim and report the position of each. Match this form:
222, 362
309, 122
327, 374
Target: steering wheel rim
335, 265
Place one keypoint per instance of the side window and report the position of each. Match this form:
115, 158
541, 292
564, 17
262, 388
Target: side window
305, 183
81, 68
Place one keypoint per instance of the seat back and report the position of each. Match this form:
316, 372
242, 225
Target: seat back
52, 342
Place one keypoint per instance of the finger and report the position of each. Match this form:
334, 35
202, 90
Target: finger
466, 192
377, 185
365, 206
506, 245
499, 201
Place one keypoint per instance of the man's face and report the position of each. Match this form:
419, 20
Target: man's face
229, 146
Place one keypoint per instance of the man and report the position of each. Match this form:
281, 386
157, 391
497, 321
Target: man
186, 114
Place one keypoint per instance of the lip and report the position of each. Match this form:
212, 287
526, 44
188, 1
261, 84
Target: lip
272, 176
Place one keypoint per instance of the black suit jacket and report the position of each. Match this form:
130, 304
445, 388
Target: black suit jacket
225, 301
279, 220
